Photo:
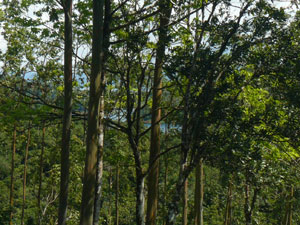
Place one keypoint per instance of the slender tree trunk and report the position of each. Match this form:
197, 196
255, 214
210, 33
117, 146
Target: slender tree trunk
165, 7
41, 175
11, 196
199, 193
140, 198
228, 205
185, 203
25, 174
99, 172
117, 194
67, 118
96, 89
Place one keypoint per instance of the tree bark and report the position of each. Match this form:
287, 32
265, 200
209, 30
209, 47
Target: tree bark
140, 198
25, 174
41, 175
96, 89
99, 172
67, 118
165, 7
11, 196
117, 194
199, 193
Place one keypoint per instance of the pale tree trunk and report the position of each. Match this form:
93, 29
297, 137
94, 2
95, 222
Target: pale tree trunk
25, 174
227, 220
185, 203
117, 194
152, 200
41, 175
67, 118
11, 196
199, 193
99, 171
289, 208
140, 198
89, 181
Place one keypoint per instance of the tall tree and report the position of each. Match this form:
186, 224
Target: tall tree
165, 8
99, 171
96, 90
67, 118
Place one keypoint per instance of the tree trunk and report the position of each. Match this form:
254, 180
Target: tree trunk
67, 118
11, 196
140, 198
228, 205
99, 172
24, 175
185, 203
165, 7
96, 89
41, 175
117, 194
199, 193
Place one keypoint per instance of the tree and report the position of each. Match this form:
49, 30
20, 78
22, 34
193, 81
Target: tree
165, 7
96, 89
67, 118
